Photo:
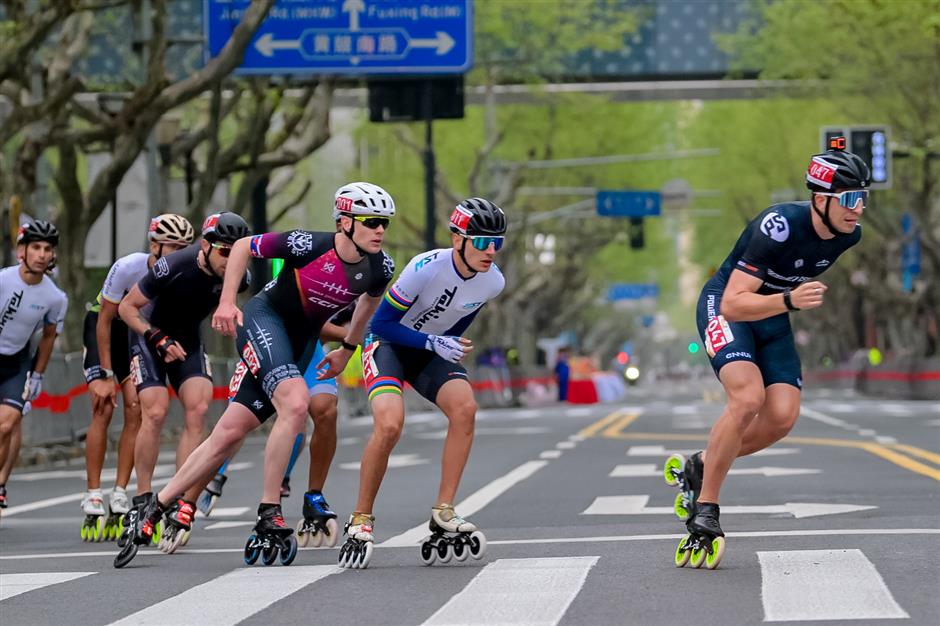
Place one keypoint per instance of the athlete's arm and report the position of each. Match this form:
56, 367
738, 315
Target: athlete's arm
228, 316
106, 315
740, 301
337, 359
332, 332
130, 312
46, 343
387, 324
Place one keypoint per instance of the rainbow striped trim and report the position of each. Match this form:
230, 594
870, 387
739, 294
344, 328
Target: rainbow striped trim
396, 300
384, 384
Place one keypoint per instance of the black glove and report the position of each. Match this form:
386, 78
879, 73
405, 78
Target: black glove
159, 341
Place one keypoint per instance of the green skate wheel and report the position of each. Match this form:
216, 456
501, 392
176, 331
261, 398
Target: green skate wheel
683, 552
84, 533
698, 557
157, 533
97, 531
674, 464
678, 506
718, 551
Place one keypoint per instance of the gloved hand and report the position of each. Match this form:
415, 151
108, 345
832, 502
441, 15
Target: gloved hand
33, 386
448, 348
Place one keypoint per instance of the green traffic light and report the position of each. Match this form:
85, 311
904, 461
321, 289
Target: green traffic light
693, 347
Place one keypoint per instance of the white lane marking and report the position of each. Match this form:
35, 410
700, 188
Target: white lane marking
347, 441
490, 430
394, 461
550, 454
799, 585
663, 451
15, 584
474, 502
579, 412
542, 591
580, 438
565, 445
107, 475
895, 408
232, 524
232, 598
797, 534
867, 432
527, 414
636, 505
649, 470
685, 409
826, 419
841, 408
885, 439
231, 511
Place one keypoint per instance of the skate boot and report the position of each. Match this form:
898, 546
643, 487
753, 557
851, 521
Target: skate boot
93, 526
687, 475
211, 494
452, 537
318, 527
118, 506
3, 496
270, 537
285, 487
140, 527
178, 523
705, 542
356, 553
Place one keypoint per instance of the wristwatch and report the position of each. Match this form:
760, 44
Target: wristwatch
107, 373
787, 301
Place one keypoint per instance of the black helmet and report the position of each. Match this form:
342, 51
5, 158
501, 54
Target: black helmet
837, 169
38, 230
476, 216
224, 227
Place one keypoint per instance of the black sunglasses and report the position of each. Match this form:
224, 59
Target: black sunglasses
223, 249
372, 222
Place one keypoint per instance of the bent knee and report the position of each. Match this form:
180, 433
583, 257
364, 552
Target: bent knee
387, 432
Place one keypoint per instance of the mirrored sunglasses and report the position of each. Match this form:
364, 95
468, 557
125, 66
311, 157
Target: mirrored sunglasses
223, 249
849, 199
483, 243
372, 222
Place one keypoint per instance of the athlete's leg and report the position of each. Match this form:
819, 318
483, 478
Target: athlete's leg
294, 454
195, 394
13, 452
154, 402
125, 460
236, 422
9, 419
744, 387
96, 444
290, 400
388, 411
323, 441
455, 399
775, 420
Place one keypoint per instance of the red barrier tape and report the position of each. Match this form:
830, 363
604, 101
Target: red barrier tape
62, 402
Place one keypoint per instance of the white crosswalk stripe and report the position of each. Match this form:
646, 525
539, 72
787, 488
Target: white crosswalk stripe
236, 596
542, 590
15, 584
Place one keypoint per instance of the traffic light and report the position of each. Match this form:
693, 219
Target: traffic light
635, 232
871, 144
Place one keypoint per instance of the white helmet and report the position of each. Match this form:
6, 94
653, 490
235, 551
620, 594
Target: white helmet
363, 199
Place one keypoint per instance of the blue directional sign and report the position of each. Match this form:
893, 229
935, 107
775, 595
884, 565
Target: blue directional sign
628, 203
632, 291
350, 36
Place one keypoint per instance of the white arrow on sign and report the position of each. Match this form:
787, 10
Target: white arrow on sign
396, 460
267, 44
664, 452
645, 470
354, 8
443, 42
636, 505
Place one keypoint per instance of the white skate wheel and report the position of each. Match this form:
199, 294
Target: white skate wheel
365, 555
333, 528
316, 538
302, 537
477, 545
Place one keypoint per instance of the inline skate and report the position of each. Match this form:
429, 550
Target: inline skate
118, 506
452, 537
177, 525
356, 553
211, 494
705, 543
687, 475
140, 527
93, 526
271, 537
318, 527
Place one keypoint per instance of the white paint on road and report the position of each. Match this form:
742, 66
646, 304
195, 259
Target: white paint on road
565, 445
650, 470
473, 503
231, 598
579, 412
221, 511
394, 461
550, 454
534, 592
15, 584
812, 585
232, 524
636, 505
663, 451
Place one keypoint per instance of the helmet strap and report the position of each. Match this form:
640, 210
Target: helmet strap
825, 218
463, 256
349, 233
159, 254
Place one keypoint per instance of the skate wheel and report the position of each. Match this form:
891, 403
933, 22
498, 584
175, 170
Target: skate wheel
288, 555
332, 529
175, 540
157, 534
269, 555
126, 555
122, 539
186, 535
302, 537
679, 506
428, 553
698, 557
477, 545
316, 538
674, 465
444, 553
461, 552
251, 553
682, 551
718, 551
343, 552
98, 530
365, 555
211, 505
84, 533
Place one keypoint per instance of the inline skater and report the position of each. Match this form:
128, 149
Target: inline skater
744, 320
165, 310
29, 302
324, 273
106, 362
416, 338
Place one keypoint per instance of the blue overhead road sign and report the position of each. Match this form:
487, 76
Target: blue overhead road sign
632, 291
628, 203
350, 36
